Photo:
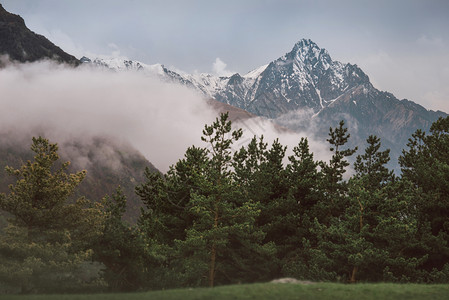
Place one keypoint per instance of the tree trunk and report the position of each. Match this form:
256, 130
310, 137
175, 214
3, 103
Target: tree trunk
355, 268
213, 252
354, 271
361, 215
213, 255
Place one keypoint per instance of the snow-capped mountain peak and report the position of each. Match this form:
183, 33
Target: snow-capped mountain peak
308, 53
305, 77
306, 50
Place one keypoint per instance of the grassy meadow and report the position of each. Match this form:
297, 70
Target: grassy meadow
263, 291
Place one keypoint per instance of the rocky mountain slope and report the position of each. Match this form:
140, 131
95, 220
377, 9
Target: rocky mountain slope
161, 72
306, 90
23, 45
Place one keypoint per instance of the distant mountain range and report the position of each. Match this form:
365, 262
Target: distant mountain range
305, 90
302, 90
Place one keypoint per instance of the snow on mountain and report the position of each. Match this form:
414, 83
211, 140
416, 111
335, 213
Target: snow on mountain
305, 78
256, 72
209, 84
305, 89
118, 64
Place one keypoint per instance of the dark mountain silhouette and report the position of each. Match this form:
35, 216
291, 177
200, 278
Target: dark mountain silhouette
23, 45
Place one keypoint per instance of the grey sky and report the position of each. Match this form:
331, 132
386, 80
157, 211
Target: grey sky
403, 45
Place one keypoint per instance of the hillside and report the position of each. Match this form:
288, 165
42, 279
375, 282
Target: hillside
108, 164
23, 45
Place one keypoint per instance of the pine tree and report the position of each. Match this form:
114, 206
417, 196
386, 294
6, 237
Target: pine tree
224, 223
305, 184
167, 196
304, 195
120, 247
332, 173
199, 220
167, 216
426, 165
261, 175
372, 239
372, 164
323, 199
48, 238
263, 179
247, 164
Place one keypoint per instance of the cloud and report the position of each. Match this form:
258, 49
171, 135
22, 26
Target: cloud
271, 131
159, 119
74, 107
219, 68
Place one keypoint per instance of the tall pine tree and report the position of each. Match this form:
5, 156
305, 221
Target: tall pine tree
332, 172
48, 238
426, 165
200, 218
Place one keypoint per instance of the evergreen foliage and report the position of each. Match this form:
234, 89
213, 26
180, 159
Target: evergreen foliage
332, 179
223, 216
48, 238
426, 165
120, 247
214, 234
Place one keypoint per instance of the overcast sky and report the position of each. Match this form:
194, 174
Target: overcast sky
402, 45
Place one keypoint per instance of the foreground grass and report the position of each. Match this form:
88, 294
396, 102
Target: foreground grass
272, 291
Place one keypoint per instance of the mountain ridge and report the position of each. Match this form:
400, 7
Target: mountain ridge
303, 89
23, 45
325, 91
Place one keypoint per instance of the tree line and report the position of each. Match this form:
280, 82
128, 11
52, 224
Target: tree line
220, 216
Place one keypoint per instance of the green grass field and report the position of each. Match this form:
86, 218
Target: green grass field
272, 291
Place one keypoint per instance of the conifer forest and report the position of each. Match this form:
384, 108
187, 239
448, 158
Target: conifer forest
223, 216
